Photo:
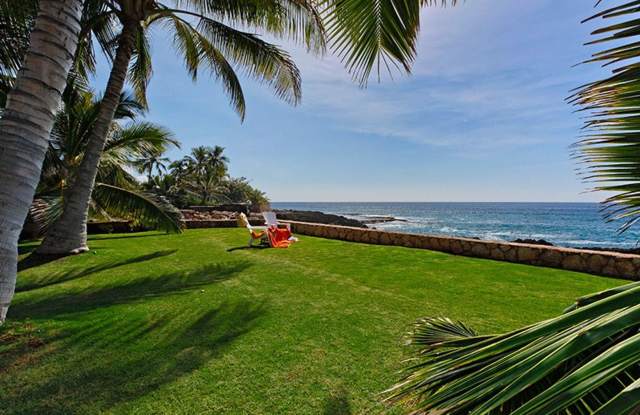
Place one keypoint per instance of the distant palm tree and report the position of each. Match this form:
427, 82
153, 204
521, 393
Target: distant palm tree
586, 361
202, 171
151, 163
117, 192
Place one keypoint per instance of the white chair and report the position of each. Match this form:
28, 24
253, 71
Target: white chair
270, 219
255, 234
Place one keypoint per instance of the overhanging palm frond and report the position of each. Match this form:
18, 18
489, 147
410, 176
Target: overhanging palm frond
16, 20
294, 20
98, 24
374, 34
584, 361
139, 139
259, 59
143, 208
610, 145
141, 69
197, 50
45, 210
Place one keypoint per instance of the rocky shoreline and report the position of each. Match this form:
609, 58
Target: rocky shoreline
311, 216
284, 214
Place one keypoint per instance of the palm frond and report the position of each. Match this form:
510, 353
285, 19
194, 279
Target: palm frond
45, 211
197, 50
138, 139
219, 43
129, 107
377, 34
261, 60
141, 69
294, 20
610, 144
143, 208
16, 20
580, 362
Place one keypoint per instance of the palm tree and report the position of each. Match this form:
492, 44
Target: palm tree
586, 361
27, 120
381, 32
117, 192
201, 173
151, 163
363, 34
204, 40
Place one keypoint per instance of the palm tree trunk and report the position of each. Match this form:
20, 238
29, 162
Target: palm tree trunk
69, 234
26, 124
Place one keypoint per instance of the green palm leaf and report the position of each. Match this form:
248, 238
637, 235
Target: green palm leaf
118, 193
610, 144
143, 208
579, 360
16, 20
374, 34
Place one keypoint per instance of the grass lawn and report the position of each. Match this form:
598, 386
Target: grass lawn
150, 323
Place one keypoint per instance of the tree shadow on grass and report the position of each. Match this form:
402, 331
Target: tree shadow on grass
337, 403
50, 279
35, 260
111, 359
102, 237
138, 289
240, 248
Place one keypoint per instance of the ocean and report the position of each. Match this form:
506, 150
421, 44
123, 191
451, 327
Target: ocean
563, 224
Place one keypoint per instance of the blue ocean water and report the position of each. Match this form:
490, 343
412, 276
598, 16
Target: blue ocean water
563, 224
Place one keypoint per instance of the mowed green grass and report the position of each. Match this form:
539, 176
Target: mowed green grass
178, 324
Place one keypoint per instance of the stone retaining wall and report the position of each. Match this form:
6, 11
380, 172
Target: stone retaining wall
217, 223
613, 264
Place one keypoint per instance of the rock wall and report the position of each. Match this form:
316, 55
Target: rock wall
612, 264
218, 223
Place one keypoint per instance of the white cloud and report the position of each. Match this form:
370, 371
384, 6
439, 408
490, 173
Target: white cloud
473, 86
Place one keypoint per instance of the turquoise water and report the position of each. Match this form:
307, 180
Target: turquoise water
564, 224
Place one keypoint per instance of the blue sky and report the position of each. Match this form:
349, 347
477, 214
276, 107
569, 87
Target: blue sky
482, 117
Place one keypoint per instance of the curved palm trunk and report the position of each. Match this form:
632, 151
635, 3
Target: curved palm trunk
26, 124
69, 234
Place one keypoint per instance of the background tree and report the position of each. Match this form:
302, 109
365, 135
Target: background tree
586, 361
239, 190
117, 193
202, 172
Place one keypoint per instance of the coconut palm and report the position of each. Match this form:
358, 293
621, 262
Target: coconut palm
382, 31
27, 120
363, 33
151, 163
586, 361
201, 173
204, 41
117, 193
